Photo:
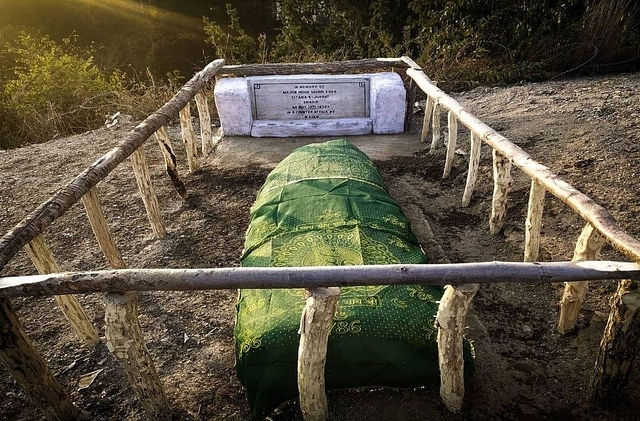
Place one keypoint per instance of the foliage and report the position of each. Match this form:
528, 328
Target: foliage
54, 90
469, 41
231, 42
611, 29
50, 88
145, 94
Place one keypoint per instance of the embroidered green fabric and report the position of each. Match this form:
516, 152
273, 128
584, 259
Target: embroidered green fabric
324, 205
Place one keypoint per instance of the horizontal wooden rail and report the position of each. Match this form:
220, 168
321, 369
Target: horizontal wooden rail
586, 207
312, 277
36, 222
349, 66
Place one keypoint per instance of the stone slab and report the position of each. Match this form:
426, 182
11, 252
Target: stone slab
234, 106
309, 97
388, 103
328, 127
311, 105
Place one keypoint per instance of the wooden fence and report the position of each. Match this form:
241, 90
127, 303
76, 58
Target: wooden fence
123, 333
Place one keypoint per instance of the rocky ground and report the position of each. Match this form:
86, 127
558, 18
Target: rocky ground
587, 130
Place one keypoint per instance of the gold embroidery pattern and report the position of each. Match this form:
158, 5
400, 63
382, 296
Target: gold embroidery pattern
248, 340
393, 220
395, 241
431, 331
376, 252
255, 304
327, 248
340, 314
342, 328
417, 291
397, 302
329, 215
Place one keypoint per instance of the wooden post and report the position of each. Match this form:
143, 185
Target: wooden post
587, 248
411, 99
205, 123
126, 343
501, 188
411, 88
312, 351
43, 260
29, 369
435, 135
170, 161
428, 111
451, 144
472, 174
451, 323
534, 222
98, 223
54, 207
619, 346
147, 192
189, 139
217, 137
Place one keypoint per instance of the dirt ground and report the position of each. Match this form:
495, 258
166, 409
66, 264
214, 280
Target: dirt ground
587, 130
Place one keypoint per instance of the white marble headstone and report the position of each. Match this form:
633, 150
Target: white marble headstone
311, 105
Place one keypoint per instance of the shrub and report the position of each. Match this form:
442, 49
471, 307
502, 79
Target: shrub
54, 90
232, 43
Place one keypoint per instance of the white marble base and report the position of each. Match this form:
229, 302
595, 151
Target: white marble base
234, 106
386, 102
318, 127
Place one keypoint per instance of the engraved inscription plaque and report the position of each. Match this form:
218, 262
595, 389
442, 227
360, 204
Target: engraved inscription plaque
289, 98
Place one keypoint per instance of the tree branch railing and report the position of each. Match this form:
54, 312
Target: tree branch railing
582, 204
122, 326
203, 279
619, 344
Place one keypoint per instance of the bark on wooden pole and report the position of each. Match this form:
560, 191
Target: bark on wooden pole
501, 188
205, 123
348, 66
54, 207
619, 346
45, 263
411, 88
98, 223
451, 144
126, 343
29, 369
590, 211
436, 134
428, 111
472, 174
451, 322
294, 277
533, 224
147, 192
170, 162
189, 139
315, 324
588, 247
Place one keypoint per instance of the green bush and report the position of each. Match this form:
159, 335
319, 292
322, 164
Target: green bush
54, 90
144, 94
466, 42
232, 43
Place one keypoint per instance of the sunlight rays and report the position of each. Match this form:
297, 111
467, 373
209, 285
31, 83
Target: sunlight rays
146, 13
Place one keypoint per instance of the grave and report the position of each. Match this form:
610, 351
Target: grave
311, 105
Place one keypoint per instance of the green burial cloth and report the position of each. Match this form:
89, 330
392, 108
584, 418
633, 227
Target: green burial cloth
326, 205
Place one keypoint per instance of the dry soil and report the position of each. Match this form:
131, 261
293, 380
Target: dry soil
587, 130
